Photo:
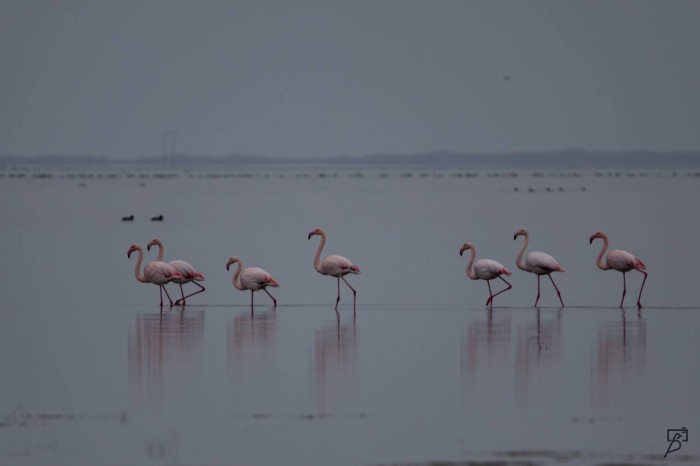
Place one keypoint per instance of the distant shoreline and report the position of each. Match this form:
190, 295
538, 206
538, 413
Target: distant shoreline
565, 159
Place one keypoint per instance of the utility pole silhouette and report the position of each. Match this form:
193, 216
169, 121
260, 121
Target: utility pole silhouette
168, 139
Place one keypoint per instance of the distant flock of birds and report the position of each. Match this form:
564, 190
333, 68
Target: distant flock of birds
254, 279
130, 218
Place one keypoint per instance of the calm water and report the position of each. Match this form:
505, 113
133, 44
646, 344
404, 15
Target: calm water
93, 373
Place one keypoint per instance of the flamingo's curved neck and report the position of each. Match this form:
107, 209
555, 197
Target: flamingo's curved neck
519, 261
137, 271
237, 274
599, 261
317, 257
161, 251
470, 271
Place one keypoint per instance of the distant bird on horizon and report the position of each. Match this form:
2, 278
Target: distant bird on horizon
155, 272
538, 263
622, 261
252, 278
128, 218
159, 218
335, 266
485, 269
188, 272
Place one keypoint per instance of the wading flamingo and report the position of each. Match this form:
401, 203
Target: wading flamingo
189, 273
252, 279
622, 261
335, 266
485, 269
538, 263
158, 273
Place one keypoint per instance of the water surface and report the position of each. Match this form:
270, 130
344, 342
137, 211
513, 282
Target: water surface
94, 373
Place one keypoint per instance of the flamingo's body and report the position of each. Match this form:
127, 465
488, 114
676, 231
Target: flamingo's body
485, 269
538, 263
252, 278
155, 272
622, 261
188, 273
335, 266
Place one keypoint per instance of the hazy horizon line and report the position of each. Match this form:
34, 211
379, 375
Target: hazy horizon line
564, 157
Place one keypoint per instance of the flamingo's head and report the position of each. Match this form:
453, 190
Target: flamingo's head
599, 234
317, 231
232, 260
521, 232
466, 246
154, 242
134, 247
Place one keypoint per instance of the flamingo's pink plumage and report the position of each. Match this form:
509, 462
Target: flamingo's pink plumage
335, 266
485, 269
622, 261
186, 270
538, 263
155, 272
252, 278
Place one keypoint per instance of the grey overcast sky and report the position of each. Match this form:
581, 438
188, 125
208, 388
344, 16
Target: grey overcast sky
302, 78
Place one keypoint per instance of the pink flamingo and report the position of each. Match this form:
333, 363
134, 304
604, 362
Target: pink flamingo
622, 261
538, 263
485, 269
335, 266
252, 279
189, 273
158, 273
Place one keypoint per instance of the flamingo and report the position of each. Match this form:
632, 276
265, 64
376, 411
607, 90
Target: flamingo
622, 261
538, 263
335, 266
189, 273
158, 273
252, 279
485, 269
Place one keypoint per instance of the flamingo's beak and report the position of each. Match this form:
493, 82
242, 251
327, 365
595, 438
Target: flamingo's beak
227, 265
515, 237
310, 235
148, 248
128, 254
591, 240
461, 251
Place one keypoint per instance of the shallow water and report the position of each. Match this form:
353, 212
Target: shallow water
95, 374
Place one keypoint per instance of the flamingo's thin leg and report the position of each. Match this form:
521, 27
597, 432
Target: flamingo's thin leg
624, 288
271, 297
354, 293
538, 291
337, 300
639, 300
488, 301
161, 295
503, 290
166, 294
201, 289
555, 287
251, 300
182, 293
